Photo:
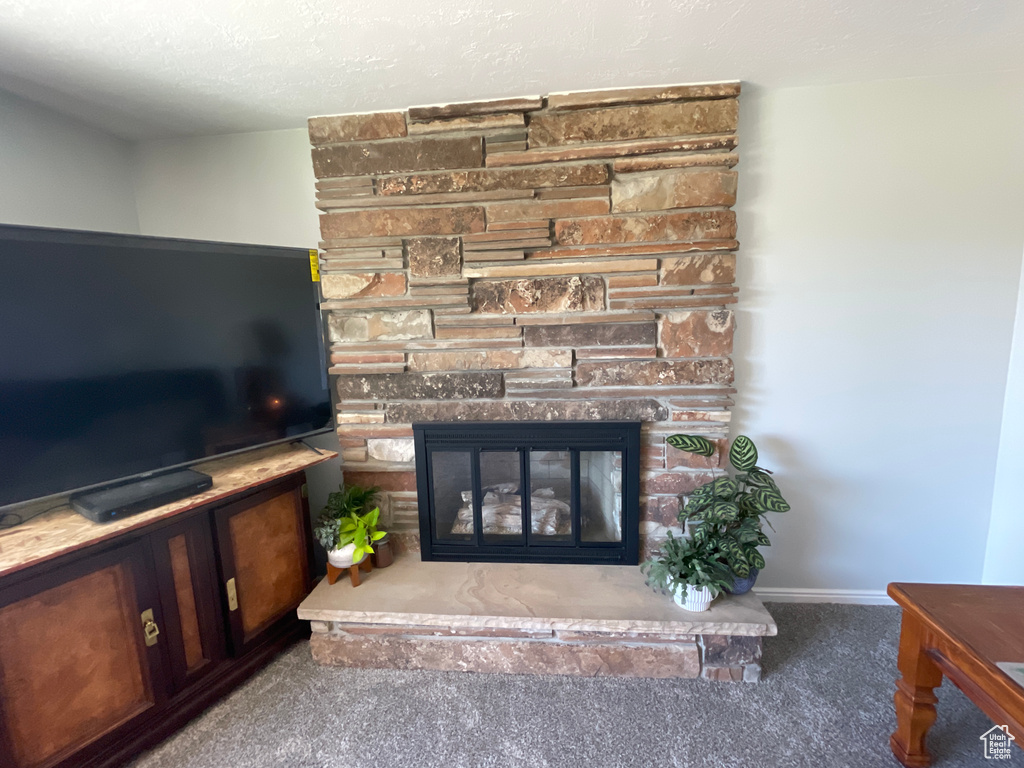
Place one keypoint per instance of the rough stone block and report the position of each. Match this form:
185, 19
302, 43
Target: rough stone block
654, 483
666, 160
612, 149
402, 222
491, 359
663, 510
495, 179
685, 226
386, 481
363, 127
633, 122
508, 656
697, 334
434, 256
549, 294
731, 650
370, 158
358, 284
678, 189
379, 326
699, 269
654, 372
723, 674
391, 449
637, 409
590, 335
675, 458
419, 386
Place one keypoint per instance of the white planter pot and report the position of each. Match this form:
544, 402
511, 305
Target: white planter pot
342, 557
690, 598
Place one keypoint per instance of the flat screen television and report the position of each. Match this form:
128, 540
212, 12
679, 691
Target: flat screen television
123, 356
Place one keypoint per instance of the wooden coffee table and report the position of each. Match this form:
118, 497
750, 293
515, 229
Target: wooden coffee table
960, 632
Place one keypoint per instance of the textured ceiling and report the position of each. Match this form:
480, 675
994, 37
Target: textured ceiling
144, 69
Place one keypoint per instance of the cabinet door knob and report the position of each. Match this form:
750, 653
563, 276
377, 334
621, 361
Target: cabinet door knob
150, 630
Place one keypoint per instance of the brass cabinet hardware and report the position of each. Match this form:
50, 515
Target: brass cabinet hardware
232, 595
149, 628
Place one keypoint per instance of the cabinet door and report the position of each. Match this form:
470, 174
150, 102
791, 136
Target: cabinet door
265, 549
187, 579
76, 671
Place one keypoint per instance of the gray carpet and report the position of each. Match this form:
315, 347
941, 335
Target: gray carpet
825, 700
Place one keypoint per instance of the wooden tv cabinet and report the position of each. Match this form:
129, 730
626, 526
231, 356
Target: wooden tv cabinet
113, 636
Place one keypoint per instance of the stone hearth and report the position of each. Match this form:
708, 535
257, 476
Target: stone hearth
592, 620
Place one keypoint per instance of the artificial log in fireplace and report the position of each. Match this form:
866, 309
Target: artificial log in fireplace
545, 492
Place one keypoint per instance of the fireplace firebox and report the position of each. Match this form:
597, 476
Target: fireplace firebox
544, 492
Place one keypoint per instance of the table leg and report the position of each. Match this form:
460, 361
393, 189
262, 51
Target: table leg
915, 699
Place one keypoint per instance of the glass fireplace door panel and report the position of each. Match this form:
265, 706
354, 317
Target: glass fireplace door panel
452, 473
600, 496
501, 500
551, 497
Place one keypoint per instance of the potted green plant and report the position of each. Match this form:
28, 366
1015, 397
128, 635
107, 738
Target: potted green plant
692, 570
728, 513
346, 527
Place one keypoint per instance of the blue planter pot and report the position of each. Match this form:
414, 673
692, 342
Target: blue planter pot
744, 585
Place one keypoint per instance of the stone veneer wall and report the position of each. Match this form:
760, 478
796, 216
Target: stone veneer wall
535, 258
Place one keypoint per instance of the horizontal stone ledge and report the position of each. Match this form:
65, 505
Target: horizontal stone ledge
633, 122
587, 318
486, 107
664, 249
531, 269
610, 150
493, 179
490, 360
654, 372
612, 96
386, 481
402, 222
686, 226
429, 344
425, 302
356, 127
674, 482
394, 201
547, 209
712, 397
469, 123
665, 161
666, 303
398, 156
640, 409
420, 386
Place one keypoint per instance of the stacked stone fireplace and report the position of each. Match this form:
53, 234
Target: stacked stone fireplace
559, 258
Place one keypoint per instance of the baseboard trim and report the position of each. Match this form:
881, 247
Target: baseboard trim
854, 596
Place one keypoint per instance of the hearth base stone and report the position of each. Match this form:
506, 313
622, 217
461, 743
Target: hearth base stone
588, 620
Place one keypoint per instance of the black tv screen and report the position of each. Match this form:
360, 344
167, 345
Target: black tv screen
124, 355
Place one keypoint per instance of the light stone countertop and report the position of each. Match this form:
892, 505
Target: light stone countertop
63, 530
584, 598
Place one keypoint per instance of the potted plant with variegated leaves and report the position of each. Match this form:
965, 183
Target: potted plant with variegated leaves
346, 528
725, 516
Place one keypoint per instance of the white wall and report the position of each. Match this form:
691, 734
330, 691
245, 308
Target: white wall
881, 256
56, 172
243, 188
1003, 561
881, 235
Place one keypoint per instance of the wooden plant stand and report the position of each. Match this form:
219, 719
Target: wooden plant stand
333, 574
